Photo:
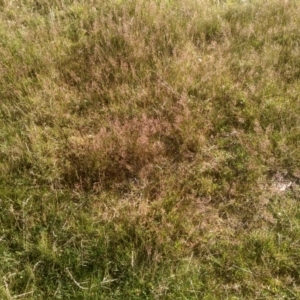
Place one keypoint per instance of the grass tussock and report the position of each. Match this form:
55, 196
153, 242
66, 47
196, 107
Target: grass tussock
149, 149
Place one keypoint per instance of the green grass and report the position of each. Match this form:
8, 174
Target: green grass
141, 146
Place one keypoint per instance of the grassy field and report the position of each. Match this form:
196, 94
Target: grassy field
149, 149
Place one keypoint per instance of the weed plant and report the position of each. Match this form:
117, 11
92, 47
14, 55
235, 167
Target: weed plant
142, 144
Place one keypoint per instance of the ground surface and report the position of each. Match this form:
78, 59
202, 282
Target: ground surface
149, 149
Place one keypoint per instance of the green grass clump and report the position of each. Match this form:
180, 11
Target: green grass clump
149, 149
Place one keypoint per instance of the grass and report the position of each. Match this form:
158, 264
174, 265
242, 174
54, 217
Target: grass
141, 146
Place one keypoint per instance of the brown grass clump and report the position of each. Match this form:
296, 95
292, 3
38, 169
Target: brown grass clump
117, 154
